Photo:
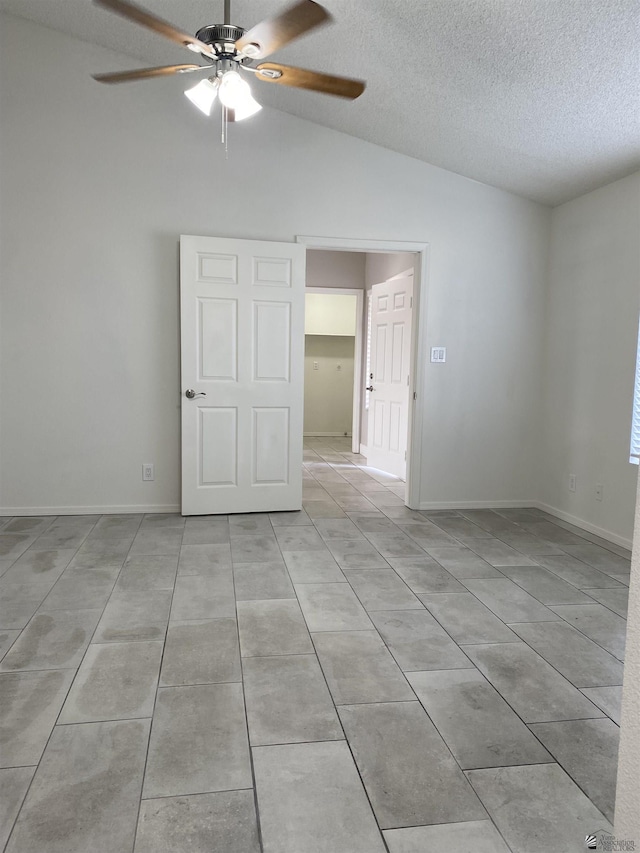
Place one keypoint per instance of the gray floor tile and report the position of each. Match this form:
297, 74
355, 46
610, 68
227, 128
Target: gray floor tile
7, 639
311, 799
461, 528
210, 534
262, 580
577, 573
529, 544
508, 601
207, 596
113, 549
134, 615
202, 559
12, 545
382, 589
417, 641
200, 823
375, 524
14, 782
117, 526
54, 640
95, 561
39, 566
274, 627
490, 521
299, 538
599, 558
599, 624
466, 619
198, 742
338, 528
288, 519
254, 523
406, 768
477, 725
462, 562
33, 525
580, 660
157, 541
359, 668
85, 793
18, 604
288, 701
249, 548
588, 751
608, 699
332, 607
533, 688
148, 573
5, 565
615, 599
313, 567
116, 681
29, 703
423, 574
81, 589
537, 807
204, 652
499, 554
323, 509
475, 836
395, 546
356, 554
544, 585
163, 521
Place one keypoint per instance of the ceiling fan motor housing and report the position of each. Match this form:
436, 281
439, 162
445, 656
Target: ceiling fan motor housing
221, 37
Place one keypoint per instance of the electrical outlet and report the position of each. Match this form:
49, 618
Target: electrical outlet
315, 365
599, 490
572, 482
147, 471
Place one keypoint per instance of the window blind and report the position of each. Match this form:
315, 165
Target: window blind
635, 422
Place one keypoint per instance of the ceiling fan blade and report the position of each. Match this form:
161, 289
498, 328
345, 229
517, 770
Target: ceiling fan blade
144, 73
272, 34
157, 25
301, 78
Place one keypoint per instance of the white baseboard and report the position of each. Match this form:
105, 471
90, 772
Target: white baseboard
364, 450
585, 525
326, 435
88, 510
476, 504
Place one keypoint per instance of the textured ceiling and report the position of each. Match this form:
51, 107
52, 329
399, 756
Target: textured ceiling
539, 97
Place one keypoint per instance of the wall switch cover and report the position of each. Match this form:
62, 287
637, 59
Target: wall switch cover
438, 355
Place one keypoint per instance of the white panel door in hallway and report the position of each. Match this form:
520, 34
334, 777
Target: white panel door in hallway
391, 310
242, 351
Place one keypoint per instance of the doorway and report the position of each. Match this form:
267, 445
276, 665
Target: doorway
380, 258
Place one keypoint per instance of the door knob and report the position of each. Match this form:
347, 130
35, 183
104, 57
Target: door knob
190, 393
368, 388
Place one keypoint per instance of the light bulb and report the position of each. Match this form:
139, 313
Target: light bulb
203, 94
236, 95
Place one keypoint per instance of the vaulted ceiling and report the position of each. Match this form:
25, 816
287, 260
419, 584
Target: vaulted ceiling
539, 97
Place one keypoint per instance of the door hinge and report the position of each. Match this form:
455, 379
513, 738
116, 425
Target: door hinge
415, 396
411, 302
405, 456
407, 380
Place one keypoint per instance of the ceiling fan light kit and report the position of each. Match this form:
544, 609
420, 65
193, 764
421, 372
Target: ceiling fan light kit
229, 50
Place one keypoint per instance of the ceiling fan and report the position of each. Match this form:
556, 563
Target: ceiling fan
229, 50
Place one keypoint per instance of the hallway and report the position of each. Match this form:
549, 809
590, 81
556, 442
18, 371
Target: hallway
354, 678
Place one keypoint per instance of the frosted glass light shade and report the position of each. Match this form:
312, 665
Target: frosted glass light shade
203, 94
236, 95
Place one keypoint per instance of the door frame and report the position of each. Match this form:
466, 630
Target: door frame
418, 338
357, 354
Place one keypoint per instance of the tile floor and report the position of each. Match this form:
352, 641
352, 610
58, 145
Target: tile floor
352, 678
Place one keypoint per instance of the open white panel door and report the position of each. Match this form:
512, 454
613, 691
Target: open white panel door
391, 309
242, 349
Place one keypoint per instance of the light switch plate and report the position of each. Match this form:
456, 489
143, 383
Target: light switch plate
438, 355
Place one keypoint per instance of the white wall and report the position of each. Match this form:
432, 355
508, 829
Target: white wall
381, 266
98, 183
330, 314
591, 335
328, 389
335, 269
